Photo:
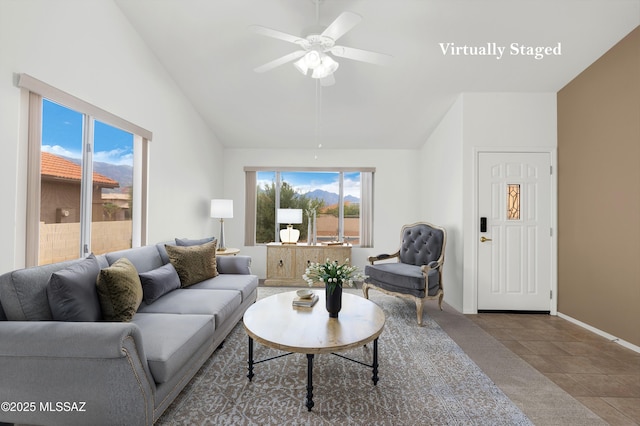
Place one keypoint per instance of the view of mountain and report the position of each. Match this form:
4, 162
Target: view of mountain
122, 174
330, 198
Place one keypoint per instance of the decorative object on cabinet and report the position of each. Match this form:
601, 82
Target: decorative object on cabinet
289, 216
222, 209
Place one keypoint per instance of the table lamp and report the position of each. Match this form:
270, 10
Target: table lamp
289, 216
222, 209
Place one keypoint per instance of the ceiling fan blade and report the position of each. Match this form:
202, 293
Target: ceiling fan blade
361, 55
328, 81
280, 61
277, 34
341, 25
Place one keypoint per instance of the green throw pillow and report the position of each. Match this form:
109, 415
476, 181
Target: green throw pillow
193, 263
119, 291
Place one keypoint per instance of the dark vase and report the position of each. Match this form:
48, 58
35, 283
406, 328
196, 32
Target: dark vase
334, 300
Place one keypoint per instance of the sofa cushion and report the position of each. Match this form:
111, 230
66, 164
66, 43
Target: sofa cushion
169, 340
24, 292
102, 261
119, 291
193, 263
233, 265
144, 258
72, 292
219, 303
159, 282
185, 242
245, 284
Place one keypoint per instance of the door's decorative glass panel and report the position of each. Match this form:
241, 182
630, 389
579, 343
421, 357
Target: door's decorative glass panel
513, 202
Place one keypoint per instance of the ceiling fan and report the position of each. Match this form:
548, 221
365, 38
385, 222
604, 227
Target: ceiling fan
313, 57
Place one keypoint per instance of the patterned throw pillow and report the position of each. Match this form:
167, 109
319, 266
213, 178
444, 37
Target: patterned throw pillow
193, 263
119, 291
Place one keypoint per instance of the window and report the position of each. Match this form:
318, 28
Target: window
87, 174
338, 201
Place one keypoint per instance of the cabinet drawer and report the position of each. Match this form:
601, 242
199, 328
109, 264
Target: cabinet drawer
279, 263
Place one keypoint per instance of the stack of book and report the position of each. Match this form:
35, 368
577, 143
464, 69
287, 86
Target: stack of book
306, 302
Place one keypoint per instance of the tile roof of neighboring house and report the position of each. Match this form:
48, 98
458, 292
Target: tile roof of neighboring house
59, 168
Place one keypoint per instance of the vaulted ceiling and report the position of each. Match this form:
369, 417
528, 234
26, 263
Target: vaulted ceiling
207, 48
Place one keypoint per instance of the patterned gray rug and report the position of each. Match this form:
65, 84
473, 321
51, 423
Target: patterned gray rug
425, 379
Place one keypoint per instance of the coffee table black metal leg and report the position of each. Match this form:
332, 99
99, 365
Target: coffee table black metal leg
375, 362
309, 401
250, 375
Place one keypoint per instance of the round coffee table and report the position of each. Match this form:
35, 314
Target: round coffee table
275, 323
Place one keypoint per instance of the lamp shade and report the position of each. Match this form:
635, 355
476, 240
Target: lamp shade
289, 216
222, 209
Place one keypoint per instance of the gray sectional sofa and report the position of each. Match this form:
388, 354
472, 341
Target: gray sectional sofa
115, 373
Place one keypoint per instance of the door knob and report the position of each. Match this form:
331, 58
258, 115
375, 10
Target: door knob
484, 239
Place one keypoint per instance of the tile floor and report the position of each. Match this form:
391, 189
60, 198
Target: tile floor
602, 375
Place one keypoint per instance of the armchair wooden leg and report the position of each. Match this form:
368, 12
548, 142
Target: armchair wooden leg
440, 299
419, 307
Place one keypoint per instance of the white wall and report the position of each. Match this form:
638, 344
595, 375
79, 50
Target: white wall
442, 203
504, 121
88, 49
396, 196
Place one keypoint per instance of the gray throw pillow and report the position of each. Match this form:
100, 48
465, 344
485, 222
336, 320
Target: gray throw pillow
193, 263
72, 292
184, 242
159, 282
119, 291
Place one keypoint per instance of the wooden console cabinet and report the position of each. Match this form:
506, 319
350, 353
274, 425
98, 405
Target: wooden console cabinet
286, 263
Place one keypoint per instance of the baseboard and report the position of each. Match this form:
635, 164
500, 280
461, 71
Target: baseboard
599, 332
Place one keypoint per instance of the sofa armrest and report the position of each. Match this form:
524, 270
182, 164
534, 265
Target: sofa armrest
234, 264
66, 339
100, 366
379, 257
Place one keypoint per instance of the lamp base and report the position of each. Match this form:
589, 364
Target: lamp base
289, 235
221, 245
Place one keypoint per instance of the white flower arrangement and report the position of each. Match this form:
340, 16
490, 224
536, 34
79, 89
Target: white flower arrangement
332, 274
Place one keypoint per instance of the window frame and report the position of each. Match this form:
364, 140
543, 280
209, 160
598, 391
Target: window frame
366, 200
38, 91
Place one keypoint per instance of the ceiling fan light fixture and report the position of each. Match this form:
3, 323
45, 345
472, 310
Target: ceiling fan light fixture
327, 67
313, 58
301, 65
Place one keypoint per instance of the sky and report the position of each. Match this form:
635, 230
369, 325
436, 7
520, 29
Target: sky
62, 135
303, 182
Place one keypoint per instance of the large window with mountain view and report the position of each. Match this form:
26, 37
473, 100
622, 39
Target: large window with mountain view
86, 180
337, 201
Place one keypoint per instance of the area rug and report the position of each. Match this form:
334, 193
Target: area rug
425, 379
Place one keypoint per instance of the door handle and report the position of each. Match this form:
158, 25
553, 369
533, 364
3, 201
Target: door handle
484, 239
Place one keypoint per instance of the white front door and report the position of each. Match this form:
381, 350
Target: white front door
514, 238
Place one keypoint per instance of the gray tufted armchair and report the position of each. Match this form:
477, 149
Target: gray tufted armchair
417, 274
